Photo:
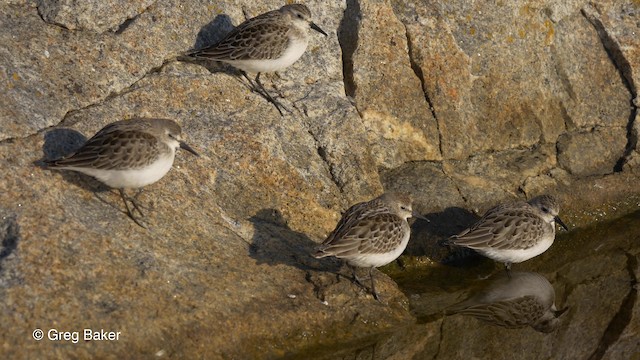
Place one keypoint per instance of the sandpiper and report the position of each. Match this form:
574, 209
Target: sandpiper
514, 232
266, 43
128, 154
371, 234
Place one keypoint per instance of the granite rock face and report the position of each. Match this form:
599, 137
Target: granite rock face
95, 16
588, 153
461, 104
387, 93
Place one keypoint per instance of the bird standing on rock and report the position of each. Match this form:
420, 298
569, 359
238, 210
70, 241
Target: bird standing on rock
371, 234
266, 43
514, 232
128, 154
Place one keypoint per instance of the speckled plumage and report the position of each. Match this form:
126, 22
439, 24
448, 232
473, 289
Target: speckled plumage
514, 232
265, 37
127, 154
371, 234
266, 43
255, 39
523, 299
375, 227
122, 145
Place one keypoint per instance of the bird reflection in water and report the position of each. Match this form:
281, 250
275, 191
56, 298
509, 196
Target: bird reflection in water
524, 299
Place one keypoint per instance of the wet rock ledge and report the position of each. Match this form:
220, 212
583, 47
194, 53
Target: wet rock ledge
462, 104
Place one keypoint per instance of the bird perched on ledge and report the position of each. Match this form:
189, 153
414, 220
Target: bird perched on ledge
371, 234
266, 43
128, 154
514, 232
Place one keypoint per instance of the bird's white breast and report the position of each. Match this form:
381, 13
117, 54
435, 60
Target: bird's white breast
132, 178
377, 260
293, 52
519, 255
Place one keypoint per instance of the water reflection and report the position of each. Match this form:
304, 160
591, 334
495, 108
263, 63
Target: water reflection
516, 301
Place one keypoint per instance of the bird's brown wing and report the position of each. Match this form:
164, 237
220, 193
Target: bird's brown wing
503, 227
352, 216
374, 234
112, 147
259, 39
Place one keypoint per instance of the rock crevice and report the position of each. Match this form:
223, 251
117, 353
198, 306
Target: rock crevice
348, 39
417, 70
622, 64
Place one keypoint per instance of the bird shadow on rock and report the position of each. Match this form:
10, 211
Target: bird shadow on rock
430, 238
275, 243
213, 32
60, 143
210, 34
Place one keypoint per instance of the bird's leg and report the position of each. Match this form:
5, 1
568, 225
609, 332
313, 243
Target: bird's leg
136, 203
259, 88
129, 212
252, 86
124, 197
356, 279
269, 97
373, 286
136, 206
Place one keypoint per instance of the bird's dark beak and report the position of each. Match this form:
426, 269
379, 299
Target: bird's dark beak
557, 219
183, 145
317, 28
418, 216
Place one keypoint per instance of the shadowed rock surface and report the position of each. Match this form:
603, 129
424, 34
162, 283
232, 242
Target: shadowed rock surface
462, 104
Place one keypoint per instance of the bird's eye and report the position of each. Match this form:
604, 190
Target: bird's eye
544, 209
300, 16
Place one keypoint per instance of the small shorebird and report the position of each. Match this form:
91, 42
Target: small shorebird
266, 43
514, 232
128, 154
371, 234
